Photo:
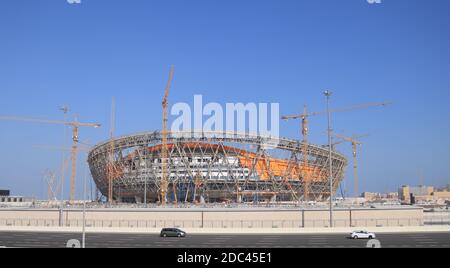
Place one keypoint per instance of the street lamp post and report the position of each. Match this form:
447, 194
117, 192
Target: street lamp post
83, 243
65, 110
328, 94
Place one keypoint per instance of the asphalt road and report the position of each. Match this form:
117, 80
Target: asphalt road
58, 240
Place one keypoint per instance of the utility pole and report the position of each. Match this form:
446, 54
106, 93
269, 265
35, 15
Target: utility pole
110, 169
83, 243
328, 94
65, 110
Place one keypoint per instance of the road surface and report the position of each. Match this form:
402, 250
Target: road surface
104, 240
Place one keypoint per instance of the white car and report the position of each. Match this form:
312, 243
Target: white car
362, 235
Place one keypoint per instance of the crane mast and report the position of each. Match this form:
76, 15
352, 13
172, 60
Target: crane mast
164, 151
73, 158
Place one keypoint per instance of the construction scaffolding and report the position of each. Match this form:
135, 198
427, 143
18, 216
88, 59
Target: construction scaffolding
214, 167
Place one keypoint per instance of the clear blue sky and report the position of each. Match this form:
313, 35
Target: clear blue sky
286, 51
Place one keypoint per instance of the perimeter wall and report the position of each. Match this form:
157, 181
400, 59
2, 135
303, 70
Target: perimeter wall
215, 218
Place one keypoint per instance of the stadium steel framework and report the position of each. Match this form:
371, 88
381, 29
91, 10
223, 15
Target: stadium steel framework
214, 167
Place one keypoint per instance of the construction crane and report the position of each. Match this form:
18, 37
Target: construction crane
305, 133
355, 143
165, 105
75, 140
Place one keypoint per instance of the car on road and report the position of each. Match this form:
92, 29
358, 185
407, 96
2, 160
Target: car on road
362, 235
172, 232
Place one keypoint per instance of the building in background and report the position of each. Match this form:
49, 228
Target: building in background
423, 195
380, 197
4, 193
7, 200
12, 199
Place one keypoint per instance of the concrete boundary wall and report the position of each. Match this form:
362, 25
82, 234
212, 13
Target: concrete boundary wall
215, 218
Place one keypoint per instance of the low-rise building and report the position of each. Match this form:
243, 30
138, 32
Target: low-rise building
13, 199
423, 194
371, 196
442, 195
4, 192
380, 197
7, 199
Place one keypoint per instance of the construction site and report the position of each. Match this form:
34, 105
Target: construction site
200, 167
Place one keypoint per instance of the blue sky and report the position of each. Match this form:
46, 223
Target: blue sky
53, 53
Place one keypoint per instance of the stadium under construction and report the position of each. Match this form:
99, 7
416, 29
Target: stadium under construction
213, 167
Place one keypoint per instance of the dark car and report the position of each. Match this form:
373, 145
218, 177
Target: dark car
172, 232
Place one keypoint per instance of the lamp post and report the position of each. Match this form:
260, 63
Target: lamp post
328, 94
83, 242
65, 110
